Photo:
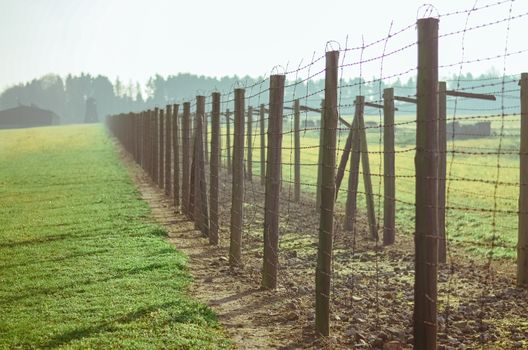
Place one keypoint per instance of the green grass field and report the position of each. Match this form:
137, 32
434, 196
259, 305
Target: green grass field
81, 265
469, 220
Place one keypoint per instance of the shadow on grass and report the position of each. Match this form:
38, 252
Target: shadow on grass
76, 284
69, 235
36, 240
58, 259
83, 332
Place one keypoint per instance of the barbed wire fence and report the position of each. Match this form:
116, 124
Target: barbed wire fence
427, 260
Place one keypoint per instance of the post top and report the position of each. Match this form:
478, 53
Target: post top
428, 20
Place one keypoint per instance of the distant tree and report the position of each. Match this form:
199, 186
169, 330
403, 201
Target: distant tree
11, 97
78, 89
103, 92
118, 87
90, 115
139, 96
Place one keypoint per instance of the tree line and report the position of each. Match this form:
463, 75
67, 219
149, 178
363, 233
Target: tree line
67, 96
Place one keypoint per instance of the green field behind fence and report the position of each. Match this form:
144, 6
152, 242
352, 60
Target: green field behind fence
471, 178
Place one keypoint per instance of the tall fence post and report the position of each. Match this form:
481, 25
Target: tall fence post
214, 165
155, 145
522, 243
161, 169
426, 163
442, 152
206, 138
273, 183
137, 139
389, 176
168, 149
201, 217
235, 244
228, 141
367, 177
186, 157
262, 116
355, 157
176, 157
327, 189
320, 158
344, 157
297, 152
147, 133
150, 118
249, 166
141, 130
141, 136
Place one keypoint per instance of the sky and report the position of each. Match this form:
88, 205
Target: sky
136, 39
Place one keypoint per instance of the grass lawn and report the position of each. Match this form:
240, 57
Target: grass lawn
81, 265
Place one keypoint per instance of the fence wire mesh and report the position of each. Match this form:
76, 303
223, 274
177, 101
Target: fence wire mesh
373, 281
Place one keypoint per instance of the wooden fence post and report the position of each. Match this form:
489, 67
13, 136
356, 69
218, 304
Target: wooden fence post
353, 178
360, 150
214, 165
201, 217
228, 141
522, 242
320, 158
249, 161
345, 155
426, 222
389, 176
192, 184
206, 138
146, 144
327, 189
262, 116
237, 210
297, 152
139, 128
161, 168
186, 158
273, 183
367, 177
168, 149
155, 145
151, 143
176, 157
137, 134
139, 121
442, 152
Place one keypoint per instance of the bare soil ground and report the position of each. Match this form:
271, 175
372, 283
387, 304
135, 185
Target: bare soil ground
372, 301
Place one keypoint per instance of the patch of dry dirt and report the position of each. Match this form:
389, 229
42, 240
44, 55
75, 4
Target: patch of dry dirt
372, 300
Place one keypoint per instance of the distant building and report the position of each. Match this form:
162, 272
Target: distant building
27, 117
371, 125
468, 131
91, 111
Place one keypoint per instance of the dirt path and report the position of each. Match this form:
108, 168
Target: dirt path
372, 289
251, 316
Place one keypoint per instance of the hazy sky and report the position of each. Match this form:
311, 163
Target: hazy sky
135, 39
